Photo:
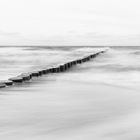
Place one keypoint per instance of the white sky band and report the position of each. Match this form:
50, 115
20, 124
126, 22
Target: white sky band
69, 22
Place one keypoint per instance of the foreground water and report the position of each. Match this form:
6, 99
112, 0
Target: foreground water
96, 100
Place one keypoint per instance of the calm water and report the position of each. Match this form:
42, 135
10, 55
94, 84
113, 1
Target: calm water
119, 66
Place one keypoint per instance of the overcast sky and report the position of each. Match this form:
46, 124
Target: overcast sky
70, 22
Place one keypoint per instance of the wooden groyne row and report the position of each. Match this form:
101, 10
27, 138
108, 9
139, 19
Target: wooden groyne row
55, 69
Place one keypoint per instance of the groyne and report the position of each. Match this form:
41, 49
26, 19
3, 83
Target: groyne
54, 69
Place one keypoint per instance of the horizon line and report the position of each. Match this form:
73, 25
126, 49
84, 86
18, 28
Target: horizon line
69, 45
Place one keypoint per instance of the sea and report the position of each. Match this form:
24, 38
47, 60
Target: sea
97, 100
119, 66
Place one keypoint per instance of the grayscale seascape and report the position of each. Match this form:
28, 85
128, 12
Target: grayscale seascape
69, 69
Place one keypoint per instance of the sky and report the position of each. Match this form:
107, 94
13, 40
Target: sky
70, 22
